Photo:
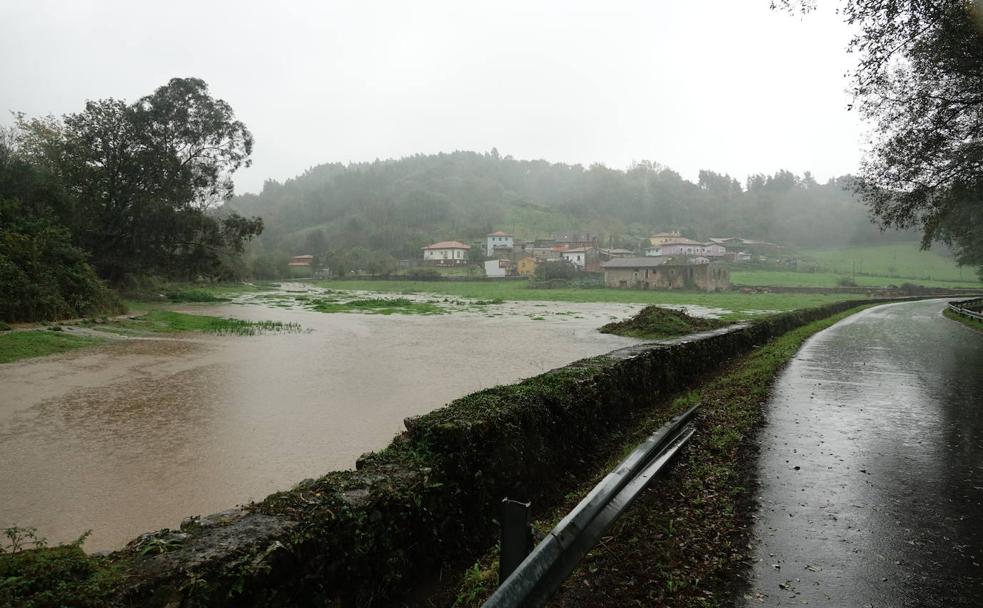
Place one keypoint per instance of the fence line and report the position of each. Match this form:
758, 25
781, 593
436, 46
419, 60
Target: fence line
964, 308
543, 570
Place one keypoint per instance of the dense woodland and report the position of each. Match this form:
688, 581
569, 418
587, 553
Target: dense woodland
385, 210
115, 195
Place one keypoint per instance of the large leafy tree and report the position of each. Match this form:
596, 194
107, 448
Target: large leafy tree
144, 178
919, 80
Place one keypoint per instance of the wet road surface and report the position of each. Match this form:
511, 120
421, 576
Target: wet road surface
136, 435
871, 467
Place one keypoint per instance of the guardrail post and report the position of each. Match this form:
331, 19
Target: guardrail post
516, 536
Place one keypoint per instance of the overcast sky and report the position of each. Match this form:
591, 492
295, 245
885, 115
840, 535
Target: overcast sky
726, 85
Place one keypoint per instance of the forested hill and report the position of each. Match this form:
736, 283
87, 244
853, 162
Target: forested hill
397, 206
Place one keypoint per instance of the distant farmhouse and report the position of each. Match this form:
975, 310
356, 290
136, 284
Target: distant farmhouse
498, 268
684, 246
498, 240
660, 238
610, 254
446, 253
576, 256
748, 247
301, 266
663, 272
526, 266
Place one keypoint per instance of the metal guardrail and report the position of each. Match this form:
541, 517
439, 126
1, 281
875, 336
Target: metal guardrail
960, 308
542, 572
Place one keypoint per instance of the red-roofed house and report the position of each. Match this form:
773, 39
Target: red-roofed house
446, 253
301, 266
498, 240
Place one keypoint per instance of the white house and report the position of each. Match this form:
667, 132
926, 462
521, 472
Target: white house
446, 253
714, 250
577, 257
498, 239
497, 268
683, 246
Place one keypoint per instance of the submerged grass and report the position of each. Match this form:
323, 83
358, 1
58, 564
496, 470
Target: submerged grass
16, 345
654, 322
166, 321
375, 306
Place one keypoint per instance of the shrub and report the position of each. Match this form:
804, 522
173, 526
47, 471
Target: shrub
42, 275
35, 576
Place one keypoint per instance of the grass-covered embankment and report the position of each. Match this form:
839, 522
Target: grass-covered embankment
654, 322
156, 290
27, 344
829, 280
685, 541
16, 345
968, 322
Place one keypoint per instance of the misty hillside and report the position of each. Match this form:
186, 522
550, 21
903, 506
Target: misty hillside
397, 206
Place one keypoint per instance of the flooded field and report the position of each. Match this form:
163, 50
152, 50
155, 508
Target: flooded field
140, 433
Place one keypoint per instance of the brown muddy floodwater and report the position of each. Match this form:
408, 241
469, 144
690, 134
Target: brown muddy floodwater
138, 434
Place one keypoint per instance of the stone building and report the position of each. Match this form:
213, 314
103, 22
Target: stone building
664, 273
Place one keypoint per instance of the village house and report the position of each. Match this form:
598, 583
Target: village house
750, 246
739, 257
575, 241
301, 266
498, 268
498, 240
446, 253
683, 246
576, 256
660, 238
610, 254
664, 273
679, 246
527, 266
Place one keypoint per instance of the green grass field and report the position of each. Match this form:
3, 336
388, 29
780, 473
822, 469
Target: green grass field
971, 323
898, 262
741, 305
777, 278
15, 345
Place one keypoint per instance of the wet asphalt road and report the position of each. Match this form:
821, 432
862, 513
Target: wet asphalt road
871, 468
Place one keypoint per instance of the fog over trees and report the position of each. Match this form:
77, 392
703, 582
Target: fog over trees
394, 207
